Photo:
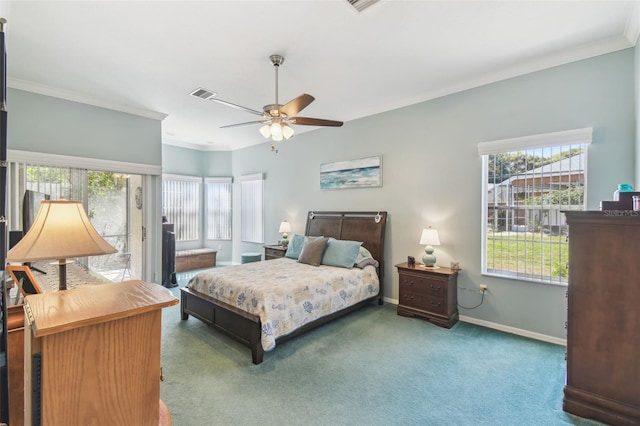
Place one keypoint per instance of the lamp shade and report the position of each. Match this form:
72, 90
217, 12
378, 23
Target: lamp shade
430, 237
61, 230
285, 226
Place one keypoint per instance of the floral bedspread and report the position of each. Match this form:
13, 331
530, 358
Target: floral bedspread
286, 294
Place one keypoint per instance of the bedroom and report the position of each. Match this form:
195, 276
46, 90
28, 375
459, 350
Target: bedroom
431, 169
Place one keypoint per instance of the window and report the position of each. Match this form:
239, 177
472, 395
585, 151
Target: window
181, 205
218, 208
252, 206
527, 184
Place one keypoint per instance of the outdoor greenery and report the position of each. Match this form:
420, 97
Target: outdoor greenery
573, 195
502, 166
544, 255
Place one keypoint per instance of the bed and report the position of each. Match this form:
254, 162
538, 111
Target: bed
209, 304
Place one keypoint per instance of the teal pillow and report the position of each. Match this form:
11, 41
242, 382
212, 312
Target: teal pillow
341, 253
295, 246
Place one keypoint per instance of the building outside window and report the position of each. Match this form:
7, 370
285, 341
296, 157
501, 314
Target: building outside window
527, 185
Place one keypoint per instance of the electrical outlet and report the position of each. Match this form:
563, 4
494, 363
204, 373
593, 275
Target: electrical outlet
483, 288
219, 247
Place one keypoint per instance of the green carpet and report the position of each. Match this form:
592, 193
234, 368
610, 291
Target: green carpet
371, 367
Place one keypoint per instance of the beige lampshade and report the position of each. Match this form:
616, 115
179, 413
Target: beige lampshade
430, 237
285, 227
61, 230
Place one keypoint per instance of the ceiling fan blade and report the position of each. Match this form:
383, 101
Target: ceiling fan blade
296, 105
243, 124
232, 105
306, 121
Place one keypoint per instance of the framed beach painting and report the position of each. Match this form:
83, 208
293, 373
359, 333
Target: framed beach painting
360, 173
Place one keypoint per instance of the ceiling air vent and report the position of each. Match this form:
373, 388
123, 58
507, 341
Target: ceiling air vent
203, 93
361, 5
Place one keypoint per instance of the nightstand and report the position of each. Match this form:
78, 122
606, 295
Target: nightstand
428, 293
274, 252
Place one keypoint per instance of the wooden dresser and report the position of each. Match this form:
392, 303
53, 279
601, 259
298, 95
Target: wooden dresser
428, 293
15, 361
93, 354
603, 317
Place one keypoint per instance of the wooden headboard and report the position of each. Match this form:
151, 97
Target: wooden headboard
368, 227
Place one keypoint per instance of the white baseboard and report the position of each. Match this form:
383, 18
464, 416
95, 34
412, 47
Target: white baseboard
501, 327
513, 330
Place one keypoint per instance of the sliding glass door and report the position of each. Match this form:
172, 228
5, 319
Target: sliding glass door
113, 202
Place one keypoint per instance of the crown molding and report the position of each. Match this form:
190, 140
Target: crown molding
195, 146
68, 95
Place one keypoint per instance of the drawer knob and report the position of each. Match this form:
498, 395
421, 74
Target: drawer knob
435, 304
435, 287
408, 283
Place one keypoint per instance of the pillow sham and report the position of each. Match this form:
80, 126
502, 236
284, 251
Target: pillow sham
364, 258
295, 246
313, 250
341, 253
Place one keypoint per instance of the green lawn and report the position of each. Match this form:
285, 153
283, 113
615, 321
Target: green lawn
544, 255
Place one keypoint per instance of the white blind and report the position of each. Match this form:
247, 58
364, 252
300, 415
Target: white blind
252, 208
181, 205
218, 208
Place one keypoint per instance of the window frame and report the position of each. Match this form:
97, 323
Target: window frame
577, 137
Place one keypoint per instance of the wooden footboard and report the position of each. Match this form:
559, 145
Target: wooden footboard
242, 326
238, 324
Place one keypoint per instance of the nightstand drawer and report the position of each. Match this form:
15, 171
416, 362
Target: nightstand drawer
274, 252
423, 302
423, 285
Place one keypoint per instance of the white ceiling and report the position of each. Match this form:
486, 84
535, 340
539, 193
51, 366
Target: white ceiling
146, 57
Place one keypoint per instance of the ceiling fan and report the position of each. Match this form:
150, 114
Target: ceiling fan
276, 118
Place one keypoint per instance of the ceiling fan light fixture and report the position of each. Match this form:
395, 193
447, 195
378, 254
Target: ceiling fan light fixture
276, 130
277, 138
265, 131
287, 131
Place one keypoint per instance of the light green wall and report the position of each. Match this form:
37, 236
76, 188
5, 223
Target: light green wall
46, 124
637, 111
432, 172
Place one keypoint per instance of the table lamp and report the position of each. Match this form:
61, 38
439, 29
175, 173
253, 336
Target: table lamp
61, 230
285, 227
429, 238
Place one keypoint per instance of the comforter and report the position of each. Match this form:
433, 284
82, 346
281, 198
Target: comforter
286, 294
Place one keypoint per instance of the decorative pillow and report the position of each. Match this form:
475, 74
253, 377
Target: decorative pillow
364, 258
295, 246
341, 253
313, 250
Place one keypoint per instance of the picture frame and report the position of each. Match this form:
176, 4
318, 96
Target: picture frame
358, 173
24, 279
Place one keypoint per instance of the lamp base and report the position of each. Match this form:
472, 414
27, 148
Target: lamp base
429, 259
